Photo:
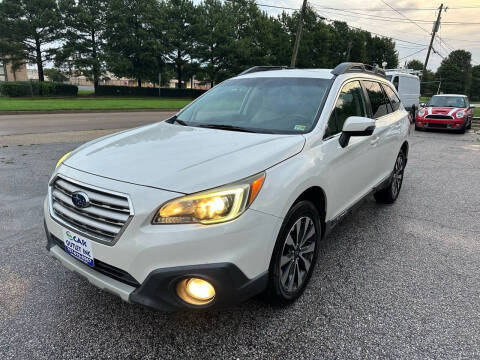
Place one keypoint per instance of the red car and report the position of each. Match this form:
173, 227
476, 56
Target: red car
449, 112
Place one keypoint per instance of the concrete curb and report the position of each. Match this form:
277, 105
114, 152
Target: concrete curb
33, 112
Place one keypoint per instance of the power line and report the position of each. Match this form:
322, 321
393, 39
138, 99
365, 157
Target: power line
277, 7
372, 17
388, 18
374, 33
406, 17
416, 52
381, 35
409, 9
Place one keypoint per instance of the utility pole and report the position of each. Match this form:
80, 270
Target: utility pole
298, 35
436, 26
348, 50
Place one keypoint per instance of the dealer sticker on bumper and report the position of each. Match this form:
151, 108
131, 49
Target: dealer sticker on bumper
79, 247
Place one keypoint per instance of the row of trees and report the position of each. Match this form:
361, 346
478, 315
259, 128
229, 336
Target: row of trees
456, 75
139, 39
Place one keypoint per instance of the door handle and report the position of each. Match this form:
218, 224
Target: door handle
375, 140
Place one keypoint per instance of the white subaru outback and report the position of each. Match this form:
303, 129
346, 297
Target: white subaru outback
232, 196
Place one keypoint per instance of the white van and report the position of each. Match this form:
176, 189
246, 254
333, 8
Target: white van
408, 87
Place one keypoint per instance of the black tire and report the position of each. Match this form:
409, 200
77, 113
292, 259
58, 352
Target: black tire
469, 125
463, 129
284, 284
417, 128
389, 194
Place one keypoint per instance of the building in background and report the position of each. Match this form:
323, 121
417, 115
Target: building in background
9, 73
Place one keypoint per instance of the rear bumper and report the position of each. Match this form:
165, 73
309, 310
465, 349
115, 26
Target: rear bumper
158, 290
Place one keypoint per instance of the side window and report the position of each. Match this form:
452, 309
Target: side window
394, 100
380, 103
350, 103
395, 82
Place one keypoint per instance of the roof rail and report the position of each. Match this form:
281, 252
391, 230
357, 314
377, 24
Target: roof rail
263, 68
349, 67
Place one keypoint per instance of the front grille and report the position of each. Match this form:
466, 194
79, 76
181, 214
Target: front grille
439, 117
441, 126
103, 220
104, 268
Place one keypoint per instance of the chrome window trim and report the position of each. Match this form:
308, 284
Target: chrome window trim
93, 187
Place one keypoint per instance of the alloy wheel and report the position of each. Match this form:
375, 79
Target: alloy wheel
297, 254
398, 175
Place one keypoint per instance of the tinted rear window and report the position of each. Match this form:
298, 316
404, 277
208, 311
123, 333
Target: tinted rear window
378, 100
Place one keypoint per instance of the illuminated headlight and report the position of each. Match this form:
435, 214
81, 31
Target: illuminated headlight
421, 112
212, 206
62, 159
460, 114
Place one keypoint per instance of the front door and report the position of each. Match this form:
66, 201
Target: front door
352, 169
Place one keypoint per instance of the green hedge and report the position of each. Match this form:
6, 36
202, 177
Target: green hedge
15, 89
110, 90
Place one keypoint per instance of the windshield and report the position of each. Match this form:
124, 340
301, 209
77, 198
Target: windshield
447, 101
267, 105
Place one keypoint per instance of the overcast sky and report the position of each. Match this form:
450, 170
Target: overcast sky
381, 19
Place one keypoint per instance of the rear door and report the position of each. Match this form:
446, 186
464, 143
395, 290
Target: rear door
385, 134
399, 119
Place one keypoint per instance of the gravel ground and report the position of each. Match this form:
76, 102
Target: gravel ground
398, 281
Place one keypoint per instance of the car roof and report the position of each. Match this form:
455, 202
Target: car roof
298, 73
306, 73
458, 95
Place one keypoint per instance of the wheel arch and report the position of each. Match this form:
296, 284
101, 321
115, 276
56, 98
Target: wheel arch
316, 195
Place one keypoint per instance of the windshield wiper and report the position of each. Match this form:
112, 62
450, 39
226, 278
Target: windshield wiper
227, 127
181, 122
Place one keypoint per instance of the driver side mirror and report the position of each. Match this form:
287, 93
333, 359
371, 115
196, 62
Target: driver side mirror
472, 106
356, 126
423, 105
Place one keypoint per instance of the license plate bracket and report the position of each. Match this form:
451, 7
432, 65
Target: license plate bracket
79, 247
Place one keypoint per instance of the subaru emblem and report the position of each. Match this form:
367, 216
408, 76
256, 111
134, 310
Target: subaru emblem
80, 199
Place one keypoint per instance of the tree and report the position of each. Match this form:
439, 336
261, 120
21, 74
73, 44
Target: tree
475, 89
455, 72
316, 42
85, 22
381, 50
415, 65
213, 35
133, 43
180, 19
29, 29
55, 75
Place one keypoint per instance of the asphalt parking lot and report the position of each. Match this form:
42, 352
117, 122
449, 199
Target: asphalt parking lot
398, 281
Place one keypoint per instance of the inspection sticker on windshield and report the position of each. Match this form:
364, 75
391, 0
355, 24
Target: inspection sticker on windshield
79, 247
300, 127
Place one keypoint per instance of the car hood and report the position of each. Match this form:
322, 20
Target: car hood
182, 158
436, 110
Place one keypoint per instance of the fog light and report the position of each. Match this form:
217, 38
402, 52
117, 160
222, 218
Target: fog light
196, 291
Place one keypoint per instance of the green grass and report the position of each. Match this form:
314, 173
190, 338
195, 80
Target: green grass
424, 99
89, 103
476, 112
85, 92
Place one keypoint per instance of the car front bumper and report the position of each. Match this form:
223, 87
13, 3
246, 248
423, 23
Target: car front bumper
454, 124
147, 261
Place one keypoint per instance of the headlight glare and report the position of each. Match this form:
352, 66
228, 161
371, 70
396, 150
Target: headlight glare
62, 159
211, 206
